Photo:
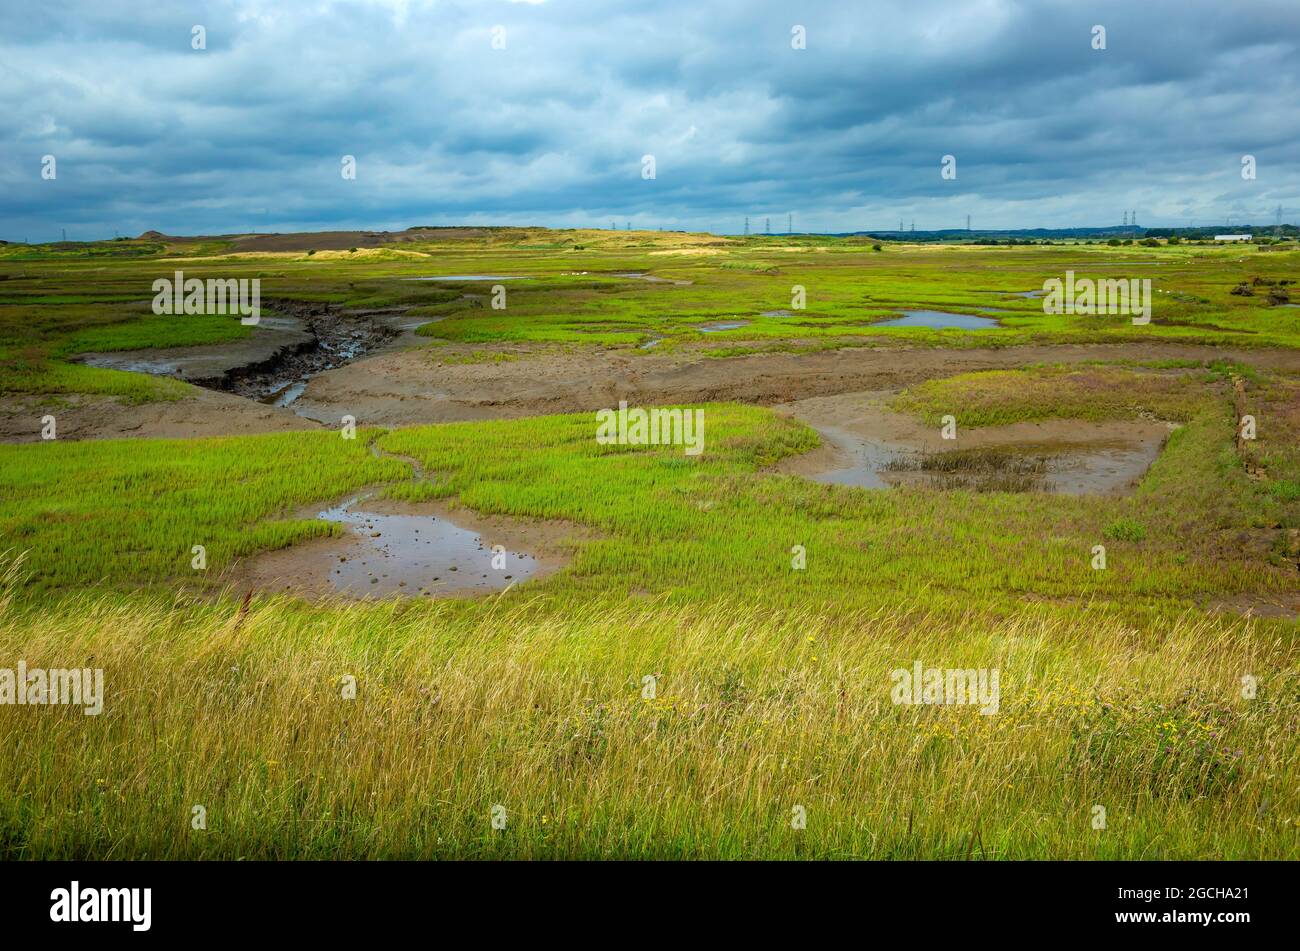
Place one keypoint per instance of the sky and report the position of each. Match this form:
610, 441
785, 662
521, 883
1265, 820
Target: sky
543, 112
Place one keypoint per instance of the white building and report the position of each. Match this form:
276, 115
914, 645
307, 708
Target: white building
1232, 237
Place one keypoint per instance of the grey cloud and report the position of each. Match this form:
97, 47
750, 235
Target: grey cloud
846, 134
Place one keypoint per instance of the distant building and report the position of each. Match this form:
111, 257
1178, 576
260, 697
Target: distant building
1232, 237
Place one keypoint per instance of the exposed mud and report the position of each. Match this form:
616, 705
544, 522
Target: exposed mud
425, 549
1285, 607
202, 413
303, 339
273, 339
394, 387
868, 445
339, 338
399, 388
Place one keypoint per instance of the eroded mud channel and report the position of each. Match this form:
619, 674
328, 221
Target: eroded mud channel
868, 445
289, 346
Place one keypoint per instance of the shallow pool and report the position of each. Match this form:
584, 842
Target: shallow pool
939, 320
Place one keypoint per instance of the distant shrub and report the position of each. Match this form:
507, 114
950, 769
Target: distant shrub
876, 247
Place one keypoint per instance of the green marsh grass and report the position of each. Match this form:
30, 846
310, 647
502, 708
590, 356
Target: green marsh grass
1118, 688
239, 709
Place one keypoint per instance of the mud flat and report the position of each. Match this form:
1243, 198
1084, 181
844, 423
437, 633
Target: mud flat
868, 445
402, 387
398, 385
1273, 606
202, 413
412, 550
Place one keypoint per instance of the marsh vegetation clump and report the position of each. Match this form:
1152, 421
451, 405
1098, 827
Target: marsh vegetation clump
981, 469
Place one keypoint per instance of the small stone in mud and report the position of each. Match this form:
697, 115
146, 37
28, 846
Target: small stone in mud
452, 568
375, 534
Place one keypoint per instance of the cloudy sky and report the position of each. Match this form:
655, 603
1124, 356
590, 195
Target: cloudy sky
848, 133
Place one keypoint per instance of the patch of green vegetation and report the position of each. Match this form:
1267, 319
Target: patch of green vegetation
131, 510
998, 397
155, 332
1126, 530
1286, 490
44, 377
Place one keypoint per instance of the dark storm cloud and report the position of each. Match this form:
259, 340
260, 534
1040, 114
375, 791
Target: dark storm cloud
849, 133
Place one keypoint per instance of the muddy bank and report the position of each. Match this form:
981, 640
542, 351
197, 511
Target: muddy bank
203, 413
273, 339
399, 388
338, 337
1279, 606
395, 387
300, 340
866, 444
426, 549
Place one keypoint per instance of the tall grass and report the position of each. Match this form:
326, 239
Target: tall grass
239, 709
